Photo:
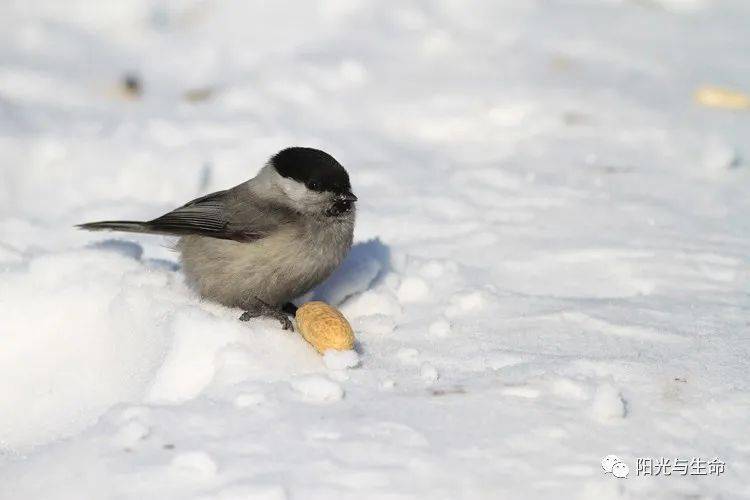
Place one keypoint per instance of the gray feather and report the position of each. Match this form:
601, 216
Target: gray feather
115, 225
216, 215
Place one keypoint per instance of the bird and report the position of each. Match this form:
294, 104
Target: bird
260, 244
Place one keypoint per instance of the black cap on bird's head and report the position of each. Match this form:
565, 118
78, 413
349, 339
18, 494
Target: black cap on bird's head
314, 168
318, 171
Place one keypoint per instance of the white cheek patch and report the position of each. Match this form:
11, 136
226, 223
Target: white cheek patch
296, 191
300, 195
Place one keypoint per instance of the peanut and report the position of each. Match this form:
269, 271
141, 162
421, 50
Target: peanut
324, 327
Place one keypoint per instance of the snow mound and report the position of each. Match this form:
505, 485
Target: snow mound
86, 329
80, 333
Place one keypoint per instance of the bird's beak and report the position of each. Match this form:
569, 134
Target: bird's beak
342, 203
347, 196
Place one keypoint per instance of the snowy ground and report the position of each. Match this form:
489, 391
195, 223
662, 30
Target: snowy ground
552, 257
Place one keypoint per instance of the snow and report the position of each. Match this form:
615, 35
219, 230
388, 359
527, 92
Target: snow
194, 464
551, 258
339, 360
428, 373
608, 404
317, 389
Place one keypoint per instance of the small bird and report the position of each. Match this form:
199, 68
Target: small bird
262, 243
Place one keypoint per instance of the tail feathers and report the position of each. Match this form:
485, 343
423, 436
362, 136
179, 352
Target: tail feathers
117, 225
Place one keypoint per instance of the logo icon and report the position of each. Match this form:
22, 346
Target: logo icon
611, 464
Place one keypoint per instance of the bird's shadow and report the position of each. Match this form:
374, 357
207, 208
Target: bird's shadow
365, 265
133, 250
125, 248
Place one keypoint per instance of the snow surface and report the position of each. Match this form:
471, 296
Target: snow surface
551, 262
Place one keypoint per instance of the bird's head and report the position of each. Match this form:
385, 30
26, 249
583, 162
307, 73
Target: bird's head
312, 181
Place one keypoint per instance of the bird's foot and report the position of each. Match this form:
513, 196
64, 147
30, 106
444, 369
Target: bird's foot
260, 309
289, 308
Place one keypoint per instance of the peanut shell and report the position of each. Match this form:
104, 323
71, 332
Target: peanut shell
324, 327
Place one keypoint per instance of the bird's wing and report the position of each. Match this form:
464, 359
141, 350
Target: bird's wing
222, 215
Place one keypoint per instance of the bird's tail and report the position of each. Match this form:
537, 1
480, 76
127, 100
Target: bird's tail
117, 225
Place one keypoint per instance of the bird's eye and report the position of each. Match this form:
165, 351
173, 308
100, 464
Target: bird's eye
314, 185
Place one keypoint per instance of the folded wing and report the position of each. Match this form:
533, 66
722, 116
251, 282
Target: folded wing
222, 215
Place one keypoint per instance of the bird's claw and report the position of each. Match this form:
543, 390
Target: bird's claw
247, 316
260, 308
286, 323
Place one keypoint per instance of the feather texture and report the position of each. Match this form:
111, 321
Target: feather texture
213, 215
